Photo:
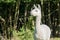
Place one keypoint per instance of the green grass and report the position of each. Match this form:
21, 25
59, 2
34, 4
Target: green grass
56, 38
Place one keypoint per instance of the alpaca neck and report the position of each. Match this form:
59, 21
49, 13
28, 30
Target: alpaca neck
38, 21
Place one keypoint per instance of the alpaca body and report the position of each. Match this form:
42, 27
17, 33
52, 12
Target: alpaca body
42, 31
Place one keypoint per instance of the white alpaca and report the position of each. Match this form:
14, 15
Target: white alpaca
42, 31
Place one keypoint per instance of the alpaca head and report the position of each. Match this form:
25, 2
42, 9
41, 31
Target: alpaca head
36, 10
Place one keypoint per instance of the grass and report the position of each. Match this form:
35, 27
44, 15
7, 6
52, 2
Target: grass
56, 38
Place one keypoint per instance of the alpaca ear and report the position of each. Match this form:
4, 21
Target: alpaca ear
35, 6
39, 6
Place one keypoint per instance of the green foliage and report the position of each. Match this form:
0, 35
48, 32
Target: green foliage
8, 1
26, 0
23, 35
29, 24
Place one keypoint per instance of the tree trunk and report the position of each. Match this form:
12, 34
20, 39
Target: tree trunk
16, 13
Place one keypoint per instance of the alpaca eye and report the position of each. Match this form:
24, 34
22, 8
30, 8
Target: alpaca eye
33, 8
